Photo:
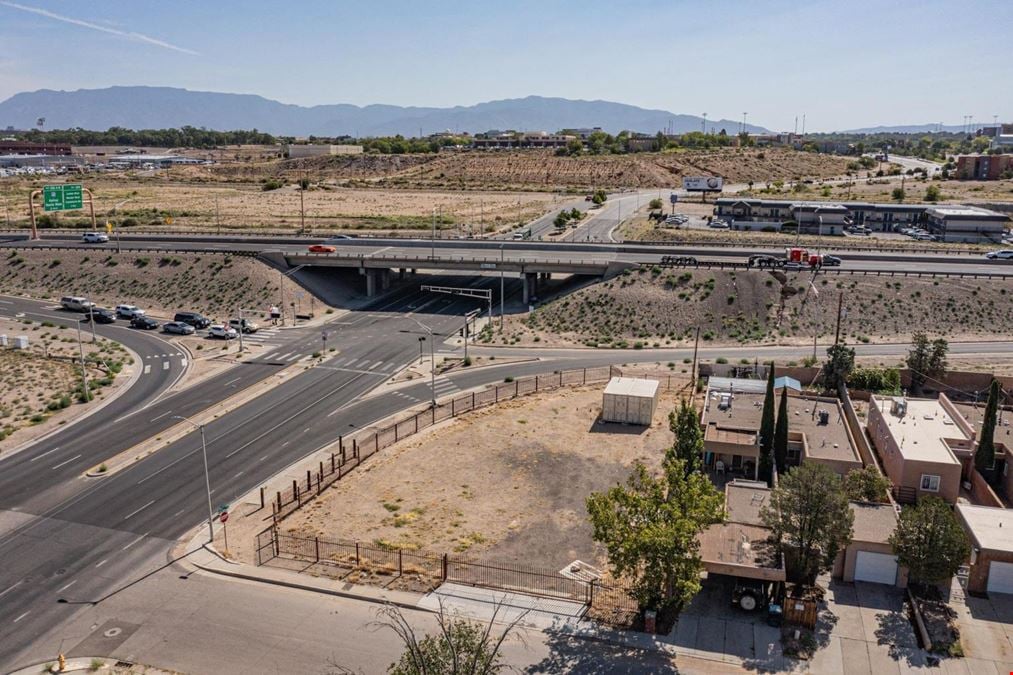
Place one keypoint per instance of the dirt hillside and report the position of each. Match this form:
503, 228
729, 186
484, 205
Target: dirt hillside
214, 285
656, 307
542, 170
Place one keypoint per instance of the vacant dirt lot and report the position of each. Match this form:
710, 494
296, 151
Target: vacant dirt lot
212, 284
657, 307
40, 386
505, 484
881, 190
147, 203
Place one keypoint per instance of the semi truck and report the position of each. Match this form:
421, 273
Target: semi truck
795, 257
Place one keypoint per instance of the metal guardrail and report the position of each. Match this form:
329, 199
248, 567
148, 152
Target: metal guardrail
131, 249
833, 245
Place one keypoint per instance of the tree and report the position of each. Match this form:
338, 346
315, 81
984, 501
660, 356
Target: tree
656, 204
867, 485
898, 194
984, 456
840, 363
575, 214
574, 146
650, 528
926, 360
810, 519
879, 380
599, 197
929, 541
765, 467
685, 424
561, 220
932, 193
781, 434
459, 647
304, 183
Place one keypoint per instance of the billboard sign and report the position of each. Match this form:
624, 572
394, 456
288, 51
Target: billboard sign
702, 183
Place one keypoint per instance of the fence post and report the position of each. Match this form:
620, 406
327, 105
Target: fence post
279, 501
355, 448
332, 462
517, 386
341, 447
357, 563
275, 542
298, 496
472, 400
295, 486
444, 566
262, 496
321, 471
496, 389
416, 423
561, 378
536, 384
316, 544
395, 432
590, 594
453, 407
400, 566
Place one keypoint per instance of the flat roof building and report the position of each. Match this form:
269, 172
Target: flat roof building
869, 556
919, 441
302, 150
966, 224
990, 530
739, 547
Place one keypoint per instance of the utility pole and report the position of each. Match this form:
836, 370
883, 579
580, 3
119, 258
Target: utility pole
432, 255
696, 348
302, 211
502, 283
207, 475
218, 215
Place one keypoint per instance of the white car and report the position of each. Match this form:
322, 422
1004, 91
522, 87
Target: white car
1005, 254
128, 311
94, 238
246, 325
222, 332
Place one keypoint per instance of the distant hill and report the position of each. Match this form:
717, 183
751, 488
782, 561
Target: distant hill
907, 129
167, 107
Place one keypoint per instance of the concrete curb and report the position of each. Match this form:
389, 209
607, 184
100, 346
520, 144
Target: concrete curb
74, 665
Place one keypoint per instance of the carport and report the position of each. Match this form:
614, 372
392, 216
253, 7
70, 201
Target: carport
739, 546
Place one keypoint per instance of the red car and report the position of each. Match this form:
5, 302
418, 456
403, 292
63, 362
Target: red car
321, 248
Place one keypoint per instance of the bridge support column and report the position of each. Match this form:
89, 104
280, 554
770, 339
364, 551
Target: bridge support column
385, 279
372, 277
400, 274
530, 284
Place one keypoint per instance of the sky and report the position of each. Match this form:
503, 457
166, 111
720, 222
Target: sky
842, 64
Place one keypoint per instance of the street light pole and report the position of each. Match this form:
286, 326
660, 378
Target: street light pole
84, 371
207, 475
502, 283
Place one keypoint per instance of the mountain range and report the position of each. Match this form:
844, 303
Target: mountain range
910, 129
168, 107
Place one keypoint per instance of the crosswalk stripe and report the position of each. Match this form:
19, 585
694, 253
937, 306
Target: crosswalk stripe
376, 365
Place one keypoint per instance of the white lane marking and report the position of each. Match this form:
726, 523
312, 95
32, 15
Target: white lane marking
165, 365
376, 365
11, 588
161, 416
262, 458
282, 357
43, 454
294, 357
178, 513
285, 443
147, 368
6, 302
134, 513
61, 589
66, 461
238, 474
22, 616
135, 541
231, 381
102, 562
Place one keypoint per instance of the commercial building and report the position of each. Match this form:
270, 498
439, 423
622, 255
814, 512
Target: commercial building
984, 167
817, 431
965, 224
300, 151
922, 443
1002, 141
991, 532
29, 148
514, 139
869, 557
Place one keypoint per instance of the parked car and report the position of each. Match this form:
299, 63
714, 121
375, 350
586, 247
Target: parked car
192, 318
76, 303
245, 325
178, 327
143, 322
94, 238
100, 315
128, 311
1004, 254
321, 248
222, 332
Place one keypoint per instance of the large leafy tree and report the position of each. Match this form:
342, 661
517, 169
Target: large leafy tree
810, 520
866, 485
649, 527
840, 363
926, 359
685, 424
984, 456
929, 541
781, 433
766, 439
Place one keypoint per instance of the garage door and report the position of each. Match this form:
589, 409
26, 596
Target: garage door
1000, 577
879, 568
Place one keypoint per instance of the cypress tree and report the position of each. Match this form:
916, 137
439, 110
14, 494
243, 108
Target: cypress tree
984, 456
766, 439
781, 434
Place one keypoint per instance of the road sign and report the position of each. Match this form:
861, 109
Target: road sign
674, 198
62, 197
223, 508
224, 516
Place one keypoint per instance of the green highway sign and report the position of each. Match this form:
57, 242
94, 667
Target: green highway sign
62, 197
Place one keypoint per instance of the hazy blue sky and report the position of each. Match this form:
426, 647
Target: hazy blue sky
844, 63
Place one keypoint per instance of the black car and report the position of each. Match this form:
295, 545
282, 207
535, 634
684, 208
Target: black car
831, 261
101, 316
144, 323
193, 318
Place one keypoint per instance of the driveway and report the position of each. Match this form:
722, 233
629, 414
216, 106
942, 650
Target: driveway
863, 630
986, 631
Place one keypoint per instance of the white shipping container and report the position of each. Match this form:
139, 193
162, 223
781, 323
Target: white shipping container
628, 400
21, 342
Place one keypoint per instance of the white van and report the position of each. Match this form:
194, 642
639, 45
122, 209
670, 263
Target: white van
76, 304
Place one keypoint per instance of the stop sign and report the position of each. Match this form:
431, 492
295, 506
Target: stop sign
224, 516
